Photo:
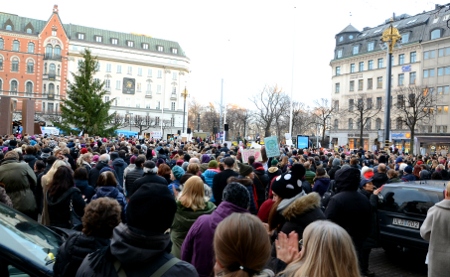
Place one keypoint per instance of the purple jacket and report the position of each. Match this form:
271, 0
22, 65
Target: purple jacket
197, 247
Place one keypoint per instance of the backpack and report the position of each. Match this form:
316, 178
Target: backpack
327, 195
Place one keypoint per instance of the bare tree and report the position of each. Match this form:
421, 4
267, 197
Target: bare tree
210, 119
143, 123
270, 105
322, 114
195, 111
302, 119
119, 120
415, 105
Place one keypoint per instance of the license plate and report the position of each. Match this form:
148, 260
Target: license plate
406, 223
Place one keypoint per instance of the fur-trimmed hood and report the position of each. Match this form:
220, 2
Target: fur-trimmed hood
302, 205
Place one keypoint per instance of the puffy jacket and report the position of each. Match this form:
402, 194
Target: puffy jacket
209, 177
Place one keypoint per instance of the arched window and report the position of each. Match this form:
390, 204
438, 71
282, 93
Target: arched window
29, 88
368, 124
15, 65
13, 88
435, 34
30, 47
350, 123
8, 28
51, 90
57, 52
49, 51
2, 43
29, 31
378, 123
30, 66
16, 45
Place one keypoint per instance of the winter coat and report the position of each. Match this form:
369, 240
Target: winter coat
148, 178
261, 181
119, 166
394, 180
408, 178
321, 185
45, 218
73, 251
332, 171
30, 160
220, 182
373, 238
209, 177
132, 176
18, 178
435, 230
139, 254
59, 207
184, 218
128, 169
85, 188
4, 198
197, 248
95, 173
114, 193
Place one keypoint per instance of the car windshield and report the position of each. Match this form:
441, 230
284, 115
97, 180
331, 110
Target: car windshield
409, 200
23, 235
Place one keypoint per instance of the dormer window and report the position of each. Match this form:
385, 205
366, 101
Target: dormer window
435, 34
350, 36
145, 46
405, 37
174, 51
8, 28
98, 39
114, 41
80, 36
412, 21
130, 43
341, 38
339, 53
160, 48
355, 49
29, 31
370, 46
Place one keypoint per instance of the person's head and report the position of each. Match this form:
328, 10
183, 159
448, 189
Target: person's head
193, 168
193, 194
80, 173
87, 157
178, 172
56, 164
31, 150
151, 208
228, 162
62, 181
236, 241
150, 167
347, 179
447, 191
100, 217
246, 171
39, 166
381, 168
164, 170
391, 173
436, 175
236, 194
213, 164
251, 160
104, 158
326, 247
140, 160
106, 179
367, 185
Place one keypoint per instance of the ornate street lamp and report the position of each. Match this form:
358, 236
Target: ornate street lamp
390, 36
184, 94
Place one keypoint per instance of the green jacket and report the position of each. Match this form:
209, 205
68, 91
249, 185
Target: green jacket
18, 178
184, 218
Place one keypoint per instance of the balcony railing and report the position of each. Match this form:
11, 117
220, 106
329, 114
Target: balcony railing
52, 57
173, 96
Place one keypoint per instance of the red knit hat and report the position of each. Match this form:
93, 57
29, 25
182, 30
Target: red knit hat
83, 151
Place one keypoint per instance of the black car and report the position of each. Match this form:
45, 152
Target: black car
401, 211
27, 248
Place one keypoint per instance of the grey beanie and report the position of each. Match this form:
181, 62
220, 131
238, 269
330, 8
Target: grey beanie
336, 162
236, 194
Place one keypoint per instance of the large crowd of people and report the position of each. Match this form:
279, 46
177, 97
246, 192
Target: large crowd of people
196, 208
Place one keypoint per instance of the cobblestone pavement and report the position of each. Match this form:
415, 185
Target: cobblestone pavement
399, 265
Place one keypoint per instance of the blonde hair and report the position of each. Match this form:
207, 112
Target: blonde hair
193, 168
193, 194
241, 245
83, 157
326, 248
52, 170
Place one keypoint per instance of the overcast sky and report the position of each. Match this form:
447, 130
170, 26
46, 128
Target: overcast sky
247, 43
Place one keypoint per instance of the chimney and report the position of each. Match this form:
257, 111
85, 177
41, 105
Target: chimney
55, 8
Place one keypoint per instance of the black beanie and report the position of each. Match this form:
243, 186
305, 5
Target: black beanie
151, 208
347, 179
236, 194
245, 170
289, 184
113, 155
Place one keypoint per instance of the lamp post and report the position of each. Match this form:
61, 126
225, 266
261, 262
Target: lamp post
198, 122
390, 36
184, 94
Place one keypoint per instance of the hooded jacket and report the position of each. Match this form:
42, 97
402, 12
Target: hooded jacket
85, 188
114, 193
184, 218
139, 253
94, 173
119, 166
197, 247
261, 182
209, 177
435, 230
18, 178
59, 210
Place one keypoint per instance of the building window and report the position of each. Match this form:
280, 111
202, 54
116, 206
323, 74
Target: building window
401, 79
107, 83
159, 74
130, 70
379, 103
2, 44
16, 45
148, 91
352, 68
157, 118
1, 63
29, 88
15, 65
369, 103
350, 123
370, 46
98, 38
440, 71
160, 48
172, 106
119, 68
108, 67
380, 63
130, 43
379, 82
30, 47
443, 90
352, 86
401, 59
53, 32
337, 87
139, 87
13, 88
429, 54
81, 36
338, 70
428, 73
360, 84
174, 76
412, 57
174, 51
106, 99
400, 101
435, 34
399, 123
405, 37
30, 66
145, 46
369, 83
49, 51
370, 65
336, 105
118, 86
149, 73
339, 53
114, 41
8, 28
355, 49
412, 78
351, 103
336, 124
158, 89
361, 66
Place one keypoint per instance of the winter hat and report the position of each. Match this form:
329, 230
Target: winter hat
336, 162
95, 158
399, 160
161, 151
178, 172
257, 165
83, 151
245, 170
113, 155
13, 143
236, 194
289, 184
364, 170
274, 162
179, 162
408, 169
213, 164
144, 202
347, 179
402, 166
150, 166
364, 182
205, 158
133, 159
